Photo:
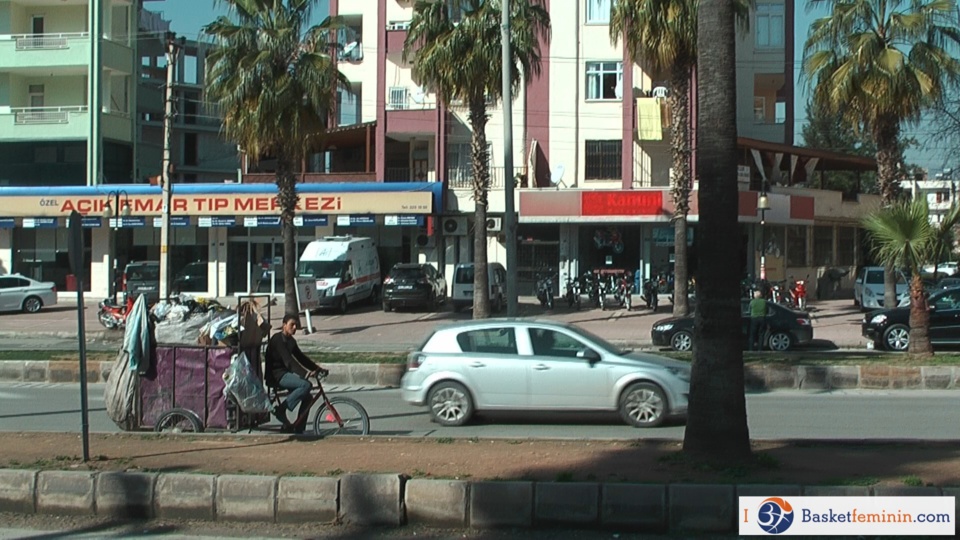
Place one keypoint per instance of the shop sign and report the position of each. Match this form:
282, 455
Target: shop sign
403, 221
128, 222
40, 223
414, 202
309, 220
664, 236
621, 203
217, 221
261, 221
7, 223
175, 221
356, 221
91, 222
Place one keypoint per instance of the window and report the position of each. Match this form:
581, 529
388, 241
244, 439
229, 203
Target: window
598, 11
950, 300
846, 246
797, 245
603, 160
604, 80
759, 108
943, 196
769, 26
552, 343
823, 245
488, 340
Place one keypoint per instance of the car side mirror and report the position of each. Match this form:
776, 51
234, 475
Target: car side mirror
589, 355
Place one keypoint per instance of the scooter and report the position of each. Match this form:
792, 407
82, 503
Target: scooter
624, 291
798, 294
651, 292
545, 291
573, 293
113, 315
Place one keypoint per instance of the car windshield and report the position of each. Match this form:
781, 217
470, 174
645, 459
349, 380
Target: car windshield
321, 269
407, 273
144, 272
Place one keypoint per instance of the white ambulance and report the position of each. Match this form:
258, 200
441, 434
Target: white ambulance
347, 270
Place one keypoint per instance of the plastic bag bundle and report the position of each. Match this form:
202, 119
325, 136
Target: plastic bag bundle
244, 386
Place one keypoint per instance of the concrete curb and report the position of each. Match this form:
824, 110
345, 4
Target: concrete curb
394, 500
757, 377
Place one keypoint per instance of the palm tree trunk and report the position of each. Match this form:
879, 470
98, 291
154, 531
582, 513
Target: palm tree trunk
287, 199
680, 183
919, 319
717, 413
481, 184
886, 134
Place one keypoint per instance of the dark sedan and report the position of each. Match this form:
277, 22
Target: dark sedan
785, 329
417, 285
890, 328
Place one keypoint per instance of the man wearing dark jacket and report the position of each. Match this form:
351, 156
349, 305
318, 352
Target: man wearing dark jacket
289, 368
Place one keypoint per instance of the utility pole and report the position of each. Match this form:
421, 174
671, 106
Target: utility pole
172, 50
509, 212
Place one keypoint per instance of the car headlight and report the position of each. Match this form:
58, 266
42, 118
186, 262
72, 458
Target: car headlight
878, 319
868, 292
663, 327
682, 373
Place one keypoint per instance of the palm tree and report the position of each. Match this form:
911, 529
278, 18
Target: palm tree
663, 35
274, 81
903, 237
461, 61
880, 64
717, 419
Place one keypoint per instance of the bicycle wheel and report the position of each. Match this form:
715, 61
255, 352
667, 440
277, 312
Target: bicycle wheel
355, 419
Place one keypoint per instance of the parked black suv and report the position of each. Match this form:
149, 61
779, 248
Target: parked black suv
413, 285
192, 278
141, 277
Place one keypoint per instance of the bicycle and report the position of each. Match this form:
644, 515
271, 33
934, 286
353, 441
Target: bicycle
333, 417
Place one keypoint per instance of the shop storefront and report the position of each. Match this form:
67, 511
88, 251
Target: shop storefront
232, 229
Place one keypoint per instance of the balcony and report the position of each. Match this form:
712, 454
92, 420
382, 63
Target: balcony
461, 178
349, 45
44, 123
396, 36
44, 50
406, 174
311, 177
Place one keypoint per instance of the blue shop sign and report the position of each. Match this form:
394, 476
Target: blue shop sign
357, 221
261, 221
404, 220
91, 222
310, 220
128, 222
40, 223
7, 223
175, 221
217, 221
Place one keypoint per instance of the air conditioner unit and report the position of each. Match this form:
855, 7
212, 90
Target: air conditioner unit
494, 224
455, 226
425, 240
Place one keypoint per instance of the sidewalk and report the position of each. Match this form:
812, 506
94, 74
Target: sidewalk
366, 328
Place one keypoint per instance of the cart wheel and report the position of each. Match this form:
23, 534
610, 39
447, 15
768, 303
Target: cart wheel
179, 421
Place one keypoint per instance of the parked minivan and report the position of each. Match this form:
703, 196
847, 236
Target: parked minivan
462, 293
868, 288
141, 277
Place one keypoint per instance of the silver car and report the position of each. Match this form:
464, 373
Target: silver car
22, 293
517, 364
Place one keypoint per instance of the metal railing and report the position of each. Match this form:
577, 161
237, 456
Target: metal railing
45, 115
462, 177
401, 98
36, 42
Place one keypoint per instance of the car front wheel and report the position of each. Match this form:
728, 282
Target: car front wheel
897, 338
450, 404
643, 405
32, 304
681, 341
780, 341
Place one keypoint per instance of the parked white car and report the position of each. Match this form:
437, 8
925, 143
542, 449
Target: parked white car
868, 288
20, 293
946, 268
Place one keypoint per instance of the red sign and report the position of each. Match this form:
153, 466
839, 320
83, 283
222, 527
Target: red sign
621, 203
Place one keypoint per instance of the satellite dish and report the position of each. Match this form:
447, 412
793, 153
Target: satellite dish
556, 177
418, 95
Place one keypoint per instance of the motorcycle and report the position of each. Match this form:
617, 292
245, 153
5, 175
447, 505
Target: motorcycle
798, 294
650, 293
545, 291
624, 290
113, 315
573, 293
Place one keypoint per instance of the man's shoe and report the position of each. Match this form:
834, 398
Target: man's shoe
281, 413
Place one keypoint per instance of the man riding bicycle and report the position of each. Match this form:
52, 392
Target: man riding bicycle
289, 368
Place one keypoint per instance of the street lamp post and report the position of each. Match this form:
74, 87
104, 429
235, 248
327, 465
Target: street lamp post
763, 204
108, 213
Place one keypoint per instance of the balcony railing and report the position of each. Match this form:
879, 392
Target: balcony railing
311, 177
36, 42
45, 115
462, 177
401, 98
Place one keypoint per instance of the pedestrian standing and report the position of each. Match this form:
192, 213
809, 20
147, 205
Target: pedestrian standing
758, 320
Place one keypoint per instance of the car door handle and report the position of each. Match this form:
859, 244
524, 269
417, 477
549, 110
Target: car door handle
477, 364
541, 367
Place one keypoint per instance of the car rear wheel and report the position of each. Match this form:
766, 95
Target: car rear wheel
375, 296
32, 304
681, 341
342, 304
780, 341
643, 405
450, 404
897, 338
